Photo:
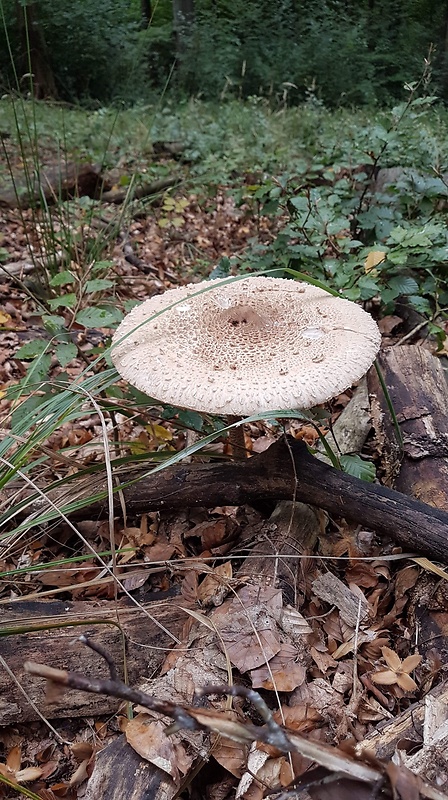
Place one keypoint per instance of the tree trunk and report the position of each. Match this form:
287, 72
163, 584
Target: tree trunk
35, 47
183, 18
145, 13
444, 77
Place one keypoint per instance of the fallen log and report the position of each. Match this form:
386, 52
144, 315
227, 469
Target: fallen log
72, 179
53, 184
283, 472
32, 628
419, 393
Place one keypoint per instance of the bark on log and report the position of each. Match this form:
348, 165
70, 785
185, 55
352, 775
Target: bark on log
143, 635
419, 392
55, 183
271, 476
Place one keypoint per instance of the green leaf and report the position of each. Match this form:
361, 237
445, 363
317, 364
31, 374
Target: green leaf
418, 239
421, 304
353, 293
98, 285
38, 369
62, 278
356, 466
32, 349
399, 256
130, 304
101, 266
222, 269
398, 234
66, 301
53, 323
65, 352
403, 284
191, 419
98, 316
368, 287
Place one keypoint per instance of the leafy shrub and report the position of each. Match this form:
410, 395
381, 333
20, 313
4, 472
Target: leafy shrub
365, 240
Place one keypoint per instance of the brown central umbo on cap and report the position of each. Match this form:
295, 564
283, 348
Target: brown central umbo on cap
241, 348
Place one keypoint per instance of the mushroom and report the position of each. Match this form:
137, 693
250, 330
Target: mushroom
247, 346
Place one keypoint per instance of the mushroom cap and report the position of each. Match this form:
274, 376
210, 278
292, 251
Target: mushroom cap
253, 345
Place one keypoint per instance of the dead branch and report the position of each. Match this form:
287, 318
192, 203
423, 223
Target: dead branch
271, 476
139, 192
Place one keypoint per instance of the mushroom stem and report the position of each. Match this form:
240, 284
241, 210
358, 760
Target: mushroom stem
236, 438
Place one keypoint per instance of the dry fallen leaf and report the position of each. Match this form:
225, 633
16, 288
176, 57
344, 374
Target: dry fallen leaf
283, 673
214, 587
374, 258
398, 672
12, 771
231, 755
148, 738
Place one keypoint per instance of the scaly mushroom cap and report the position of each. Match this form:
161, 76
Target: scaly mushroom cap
257, 344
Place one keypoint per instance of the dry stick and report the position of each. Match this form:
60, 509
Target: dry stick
111, 688
192, 718
272, 476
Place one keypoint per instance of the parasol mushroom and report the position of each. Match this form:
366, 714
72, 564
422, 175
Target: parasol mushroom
244, 347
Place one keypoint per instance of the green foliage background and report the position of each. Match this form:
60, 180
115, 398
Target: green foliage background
338, 53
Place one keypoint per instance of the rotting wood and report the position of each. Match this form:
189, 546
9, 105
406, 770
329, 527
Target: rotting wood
332, 590
65, 180
145, 643
271, 476
407, 726
419, 393
299, 526
350, 431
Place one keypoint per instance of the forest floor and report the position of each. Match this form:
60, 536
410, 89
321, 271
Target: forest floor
352, 629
